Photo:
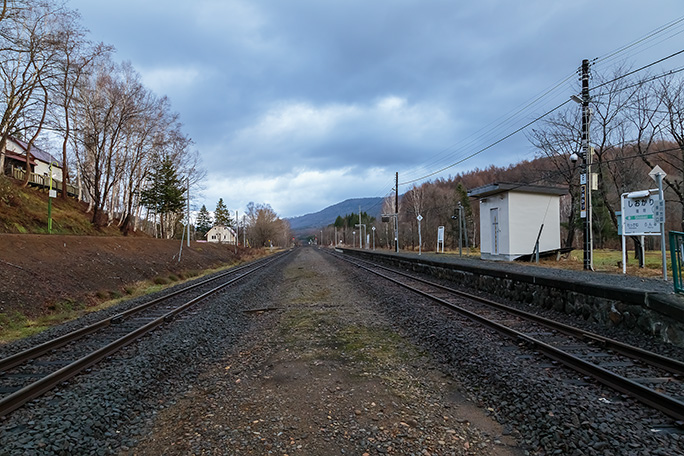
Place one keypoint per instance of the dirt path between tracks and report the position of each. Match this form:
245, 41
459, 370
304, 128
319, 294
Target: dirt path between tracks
325, 374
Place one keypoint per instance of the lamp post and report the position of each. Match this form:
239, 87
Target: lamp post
353, 239
373, 228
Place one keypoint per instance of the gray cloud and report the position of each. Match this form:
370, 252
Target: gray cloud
305, 103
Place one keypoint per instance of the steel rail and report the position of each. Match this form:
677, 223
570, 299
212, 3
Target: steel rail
38, 350
18, 398
654, 359
666, 404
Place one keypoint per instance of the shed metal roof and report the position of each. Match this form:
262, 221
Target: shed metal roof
501, 187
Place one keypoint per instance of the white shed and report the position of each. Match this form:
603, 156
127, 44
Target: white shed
220, 233
511, 217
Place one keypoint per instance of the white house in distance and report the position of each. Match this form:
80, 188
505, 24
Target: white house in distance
15, 156
222, 234
511, 217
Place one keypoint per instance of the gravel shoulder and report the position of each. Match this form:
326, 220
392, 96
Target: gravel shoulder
325, 373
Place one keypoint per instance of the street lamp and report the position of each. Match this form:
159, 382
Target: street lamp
353, 239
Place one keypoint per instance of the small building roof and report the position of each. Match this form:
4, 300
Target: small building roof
222, 227
37, 152
501, 187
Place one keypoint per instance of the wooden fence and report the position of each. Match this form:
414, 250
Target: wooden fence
44, 181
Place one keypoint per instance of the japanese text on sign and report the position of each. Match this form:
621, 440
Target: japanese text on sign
638, 215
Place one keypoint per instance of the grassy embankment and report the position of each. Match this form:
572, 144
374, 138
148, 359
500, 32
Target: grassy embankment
14, 326
25, 210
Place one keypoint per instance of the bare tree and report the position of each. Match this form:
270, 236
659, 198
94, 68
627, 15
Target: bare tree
557, 140
263, 224
670, 93
108, 103
26, 50
76, 55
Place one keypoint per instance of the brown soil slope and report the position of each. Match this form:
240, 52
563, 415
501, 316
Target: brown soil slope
38, 271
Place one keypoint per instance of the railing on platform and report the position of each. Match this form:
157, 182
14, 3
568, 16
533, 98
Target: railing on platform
44, 181
677, 254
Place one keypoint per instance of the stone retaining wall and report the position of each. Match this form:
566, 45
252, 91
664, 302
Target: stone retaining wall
657, 314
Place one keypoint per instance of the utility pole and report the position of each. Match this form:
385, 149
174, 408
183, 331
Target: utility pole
360, 235
586, 181
396, 215
362, 231
188, 182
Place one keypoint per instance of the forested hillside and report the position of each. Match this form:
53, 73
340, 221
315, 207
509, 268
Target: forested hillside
619, 170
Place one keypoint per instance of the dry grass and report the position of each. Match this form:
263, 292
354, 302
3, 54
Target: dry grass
605, 260
24, 210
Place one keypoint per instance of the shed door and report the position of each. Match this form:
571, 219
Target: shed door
494, 218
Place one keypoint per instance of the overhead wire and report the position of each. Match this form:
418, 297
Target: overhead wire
630, 73
612, 54
488, 129
451, 152
489, 146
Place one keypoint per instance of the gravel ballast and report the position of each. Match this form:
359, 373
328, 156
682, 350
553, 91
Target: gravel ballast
341, 363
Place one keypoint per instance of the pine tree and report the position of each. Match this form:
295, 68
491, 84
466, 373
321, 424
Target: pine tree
165, 195
222, 215
203, 221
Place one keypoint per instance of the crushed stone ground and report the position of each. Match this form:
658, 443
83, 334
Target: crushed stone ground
325, 374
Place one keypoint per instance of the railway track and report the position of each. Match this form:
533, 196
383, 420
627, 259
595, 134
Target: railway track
648, 377
32, 372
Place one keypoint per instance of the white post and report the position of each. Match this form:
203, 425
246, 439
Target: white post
188, 182
624, 242
420, 239
663, 251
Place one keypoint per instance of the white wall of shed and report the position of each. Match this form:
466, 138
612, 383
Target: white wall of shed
501, 202
528, 212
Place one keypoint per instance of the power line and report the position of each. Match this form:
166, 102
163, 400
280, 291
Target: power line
641, 40
489, 146
489, 129
537, 119
637, 70
642, 82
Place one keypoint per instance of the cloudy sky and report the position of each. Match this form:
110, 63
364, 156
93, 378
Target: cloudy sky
305, 103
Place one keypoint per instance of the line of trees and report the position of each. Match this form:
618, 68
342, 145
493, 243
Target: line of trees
116, 136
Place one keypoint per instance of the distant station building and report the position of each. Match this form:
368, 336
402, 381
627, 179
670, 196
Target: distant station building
221, 234
512, 216
39, 162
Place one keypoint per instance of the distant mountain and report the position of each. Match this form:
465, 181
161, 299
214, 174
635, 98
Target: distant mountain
327, 216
